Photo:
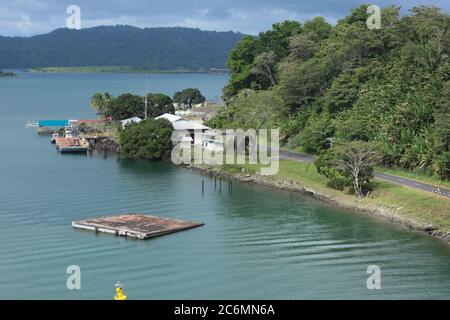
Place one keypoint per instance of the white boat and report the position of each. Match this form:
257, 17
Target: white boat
31, 124
54, 137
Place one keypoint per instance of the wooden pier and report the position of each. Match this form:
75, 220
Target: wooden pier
135, 225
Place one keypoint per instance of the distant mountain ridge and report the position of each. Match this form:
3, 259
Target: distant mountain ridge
153, 48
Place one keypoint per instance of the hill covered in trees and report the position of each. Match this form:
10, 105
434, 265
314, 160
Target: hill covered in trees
150, 48
325, 85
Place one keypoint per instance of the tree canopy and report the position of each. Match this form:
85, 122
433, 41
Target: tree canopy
345, 83
149, 139
6, 74
149, 48
129, 105
188, 97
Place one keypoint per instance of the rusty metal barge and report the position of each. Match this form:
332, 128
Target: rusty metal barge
135, 225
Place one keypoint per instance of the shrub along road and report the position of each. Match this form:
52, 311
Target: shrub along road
383, 176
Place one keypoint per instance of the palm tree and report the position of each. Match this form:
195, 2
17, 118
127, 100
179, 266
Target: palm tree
100, 102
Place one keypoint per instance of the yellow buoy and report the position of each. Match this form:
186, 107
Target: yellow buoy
119, 292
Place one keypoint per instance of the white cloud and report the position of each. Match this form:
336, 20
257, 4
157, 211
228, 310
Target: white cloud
25, 17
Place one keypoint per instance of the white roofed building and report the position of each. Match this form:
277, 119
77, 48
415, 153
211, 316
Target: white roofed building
130, 120
192, 127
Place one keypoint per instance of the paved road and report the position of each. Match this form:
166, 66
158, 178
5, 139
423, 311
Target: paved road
382, 176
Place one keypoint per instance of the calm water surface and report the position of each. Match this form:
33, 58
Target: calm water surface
257, 243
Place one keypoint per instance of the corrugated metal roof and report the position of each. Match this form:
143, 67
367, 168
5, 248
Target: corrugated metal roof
53, 123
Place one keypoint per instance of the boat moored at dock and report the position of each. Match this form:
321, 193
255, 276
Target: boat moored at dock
71, 142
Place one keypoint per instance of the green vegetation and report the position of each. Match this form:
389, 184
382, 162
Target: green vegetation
129, 105
150, 139
158, 49
349, 164
325, 85
109, 69
421, 207
188, 97
416, 175
250, 109
6, 74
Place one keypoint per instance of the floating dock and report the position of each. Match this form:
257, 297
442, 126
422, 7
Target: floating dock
71, 145
135, 225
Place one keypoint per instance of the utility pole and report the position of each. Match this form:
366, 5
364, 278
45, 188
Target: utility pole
146, 98
145, 106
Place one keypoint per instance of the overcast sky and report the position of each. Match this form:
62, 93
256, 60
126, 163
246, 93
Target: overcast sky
29, 17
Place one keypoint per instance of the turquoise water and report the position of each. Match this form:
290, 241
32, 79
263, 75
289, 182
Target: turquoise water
257, 243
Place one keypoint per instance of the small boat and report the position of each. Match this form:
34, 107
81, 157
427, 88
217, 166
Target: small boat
54, 137
31, 124
71, 142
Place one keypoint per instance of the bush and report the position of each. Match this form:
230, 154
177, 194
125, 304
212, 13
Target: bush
149, 139
349, 164
337, 180
314, 136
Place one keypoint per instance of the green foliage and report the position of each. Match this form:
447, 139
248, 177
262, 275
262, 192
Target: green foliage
249, 59
158, 104
188, 97
240, 62
343, 93
101, 102
343, 83
251, 109
337, 179
125, 106
150, 48
129, 105
265, 65
277, 39
349, 164
6, 74
150, 139
317, 134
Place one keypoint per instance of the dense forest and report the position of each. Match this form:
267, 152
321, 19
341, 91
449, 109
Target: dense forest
6, 74
326, 85
150, 48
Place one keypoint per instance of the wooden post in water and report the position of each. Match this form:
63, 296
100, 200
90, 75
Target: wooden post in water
203, 186
215, 182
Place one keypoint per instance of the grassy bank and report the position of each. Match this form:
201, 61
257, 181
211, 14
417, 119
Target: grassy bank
401, 204
418, 176
413, 175
110, 69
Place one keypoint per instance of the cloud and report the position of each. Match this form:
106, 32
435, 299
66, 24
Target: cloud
27, 17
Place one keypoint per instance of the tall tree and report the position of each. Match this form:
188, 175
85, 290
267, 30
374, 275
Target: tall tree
188, 97
150, 139
100, 102
355, 160
159, 104
265, 65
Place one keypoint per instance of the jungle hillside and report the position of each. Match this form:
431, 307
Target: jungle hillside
345, 84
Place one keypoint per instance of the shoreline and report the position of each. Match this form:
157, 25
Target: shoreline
384, 213
89, 70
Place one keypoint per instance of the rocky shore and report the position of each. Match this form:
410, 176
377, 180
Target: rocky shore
107, 145
384, 213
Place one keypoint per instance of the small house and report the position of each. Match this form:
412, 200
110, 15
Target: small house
128, 121
191, 127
